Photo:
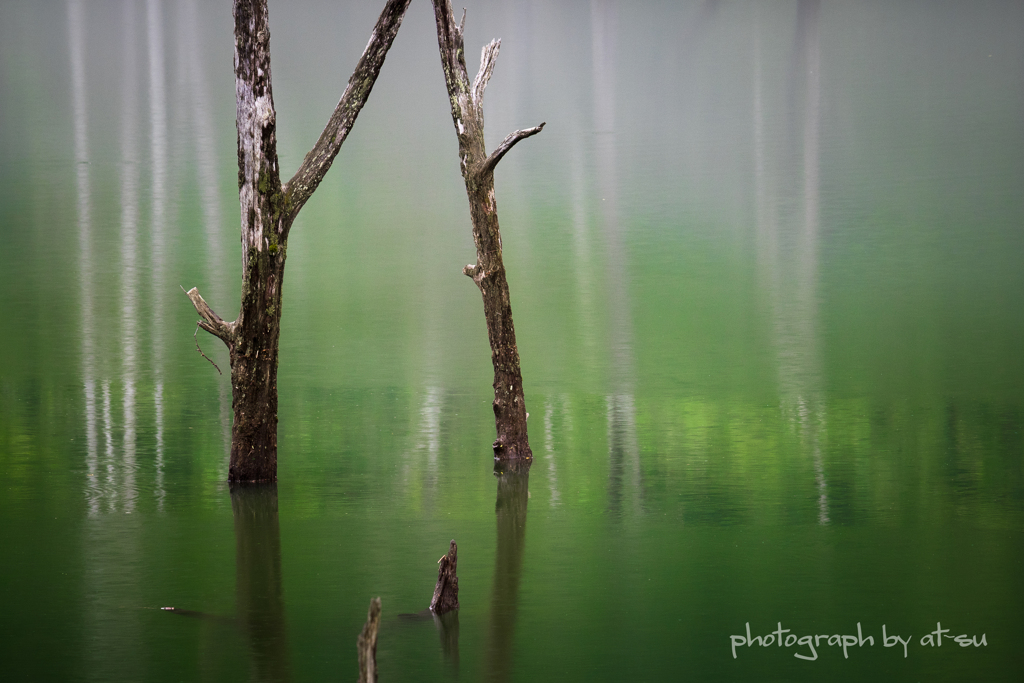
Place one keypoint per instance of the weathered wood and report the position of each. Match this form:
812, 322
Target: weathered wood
268, 210
446, 591
366, 644
211, 322
489, 270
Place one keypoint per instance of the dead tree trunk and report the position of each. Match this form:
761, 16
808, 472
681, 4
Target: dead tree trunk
268, 209
489, 271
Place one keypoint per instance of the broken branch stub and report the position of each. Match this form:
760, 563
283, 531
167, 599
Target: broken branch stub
446, 592
211, 322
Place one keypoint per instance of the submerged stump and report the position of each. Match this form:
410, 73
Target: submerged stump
366, 644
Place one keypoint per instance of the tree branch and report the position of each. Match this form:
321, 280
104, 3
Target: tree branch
211, 322
450, 45
203, 354
510, 140
488, 55
320, 158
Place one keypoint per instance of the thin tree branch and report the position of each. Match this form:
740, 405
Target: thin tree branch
510, 140
320, 158
211, 322
207, 358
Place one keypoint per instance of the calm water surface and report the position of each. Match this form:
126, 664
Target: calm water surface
765, 262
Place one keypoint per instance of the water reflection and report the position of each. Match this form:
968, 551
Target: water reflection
420, 470
582, 254
447, 626
787, 236
510, 510
258, 586
549, 449
195, 95
624, 474
113, 585
113, 373
129, 243
158, 219
79, 109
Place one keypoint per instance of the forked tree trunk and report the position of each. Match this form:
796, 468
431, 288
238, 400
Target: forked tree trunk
489, 271
268, 210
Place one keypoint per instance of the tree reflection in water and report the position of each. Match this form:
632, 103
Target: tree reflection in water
625, 486
448, 629
510, 509
787, 199
259, 598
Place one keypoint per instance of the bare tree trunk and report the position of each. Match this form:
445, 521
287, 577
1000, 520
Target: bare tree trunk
268, 210
489, 271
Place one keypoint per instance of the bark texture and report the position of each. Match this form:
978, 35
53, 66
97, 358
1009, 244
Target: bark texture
488, 272
446, 591
268, 210
366, 644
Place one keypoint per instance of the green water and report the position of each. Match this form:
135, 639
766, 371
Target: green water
765, 263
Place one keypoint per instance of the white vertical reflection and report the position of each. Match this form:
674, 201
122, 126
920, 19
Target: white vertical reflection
430, 426
158, 481
788, 246
196, 94
420, 471
201, 120
624, 477
549, 448
158, 154
129, 244
76, 48
812, 222
108, 436
92, 486
581, 243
